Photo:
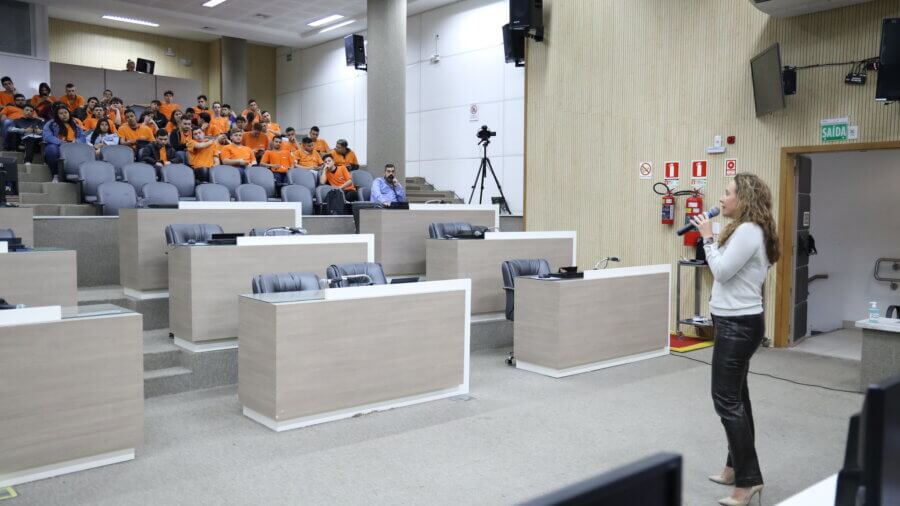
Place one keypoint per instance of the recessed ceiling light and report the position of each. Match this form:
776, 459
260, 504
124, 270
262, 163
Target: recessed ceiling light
332, 27
324, 21
212, 3
130, 20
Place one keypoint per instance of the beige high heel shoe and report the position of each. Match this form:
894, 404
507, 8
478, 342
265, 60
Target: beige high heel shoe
725, 478
730, 501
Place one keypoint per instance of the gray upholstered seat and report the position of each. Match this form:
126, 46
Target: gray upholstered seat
159, 194
188, 233
226, 175
373, 270
7, 233
445, 230
115, 195
262, 176
92, 175
211, 192
365, 193
138, 174
258, 232
362, 179
323, 190
285, 282
71, 156
119, 155
251, 193
298, 193
182, 177
302, 177
511, 269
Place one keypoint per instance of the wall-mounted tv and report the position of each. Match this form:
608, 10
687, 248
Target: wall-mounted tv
768, 87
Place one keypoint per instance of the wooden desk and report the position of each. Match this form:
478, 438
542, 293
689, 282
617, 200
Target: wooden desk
611, 317
400, 235
205, 281
72, 393
42, 277
314, 357
480, 259
21, 220
142, 239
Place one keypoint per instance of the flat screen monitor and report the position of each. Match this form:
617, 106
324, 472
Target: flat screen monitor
145, 66
653, 481
768, 87
888, 87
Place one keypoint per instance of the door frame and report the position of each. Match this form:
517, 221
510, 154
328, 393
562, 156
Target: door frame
784, 269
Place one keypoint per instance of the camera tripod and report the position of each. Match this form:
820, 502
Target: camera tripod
482, 174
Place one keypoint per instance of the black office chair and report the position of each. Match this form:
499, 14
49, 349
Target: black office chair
360, 274
448, 230
182, 233
7, 233
511, 269
275, 282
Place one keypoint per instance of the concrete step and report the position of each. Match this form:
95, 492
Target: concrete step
422, 200
419, 187
435, 194
18, 155
53, 193
171, 380
37, 173
415, 180
159, 352
63, 209
31, 187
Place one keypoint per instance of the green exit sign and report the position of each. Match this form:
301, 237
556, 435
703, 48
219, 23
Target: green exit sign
834, 129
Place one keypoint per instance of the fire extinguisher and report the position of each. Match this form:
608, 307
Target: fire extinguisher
668, 209
694, 207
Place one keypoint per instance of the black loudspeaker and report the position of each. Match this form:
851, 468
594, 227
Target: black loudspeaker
526, 15
789, 80
355, 51
514, 46
145, 66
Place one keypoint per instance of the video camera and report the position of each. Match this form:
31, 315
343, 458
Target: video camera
485, 134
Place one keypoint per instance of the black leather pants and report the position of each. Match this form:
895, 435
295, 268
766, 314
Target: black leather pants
737, 339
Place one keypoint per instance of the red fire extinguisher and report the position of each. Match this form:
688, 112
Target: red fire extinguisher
694, 207
668, 209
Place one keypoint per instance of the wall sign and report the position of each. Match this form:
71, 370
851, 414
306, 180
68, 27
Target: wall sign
730, 167
473, 112
834, 129
699, 171
645, 170
672, 169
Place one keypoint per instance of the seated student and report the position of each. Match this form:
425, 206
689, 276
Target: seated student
339, 177
168, 106
11, 113
221, 123
344, 156
203, 123
386, 190
132, 132
203, 153
106, 98
290, 144
174, 121
274, 128
178, 139
27, 130
103, 135
85, 112
147, 119
240, 122
235, 153
251, 113
202, 105
278, 160
43, 100
265, 129
256, 140
159, 153
215, 108
158, 117
320, 144
307, 157
8, 95
116, 112
72, 99
60, 130
97, 114
189, 114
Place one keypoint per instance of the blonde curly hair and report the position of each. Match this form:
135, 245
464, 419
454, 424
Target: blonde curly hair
754, 206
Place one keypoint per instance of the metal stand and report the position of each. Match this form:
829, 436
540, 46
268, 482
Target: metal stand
482, 174
697, 288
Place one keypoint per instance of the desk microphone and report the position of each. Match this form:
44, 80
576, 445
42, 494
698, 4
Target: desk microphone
712, 213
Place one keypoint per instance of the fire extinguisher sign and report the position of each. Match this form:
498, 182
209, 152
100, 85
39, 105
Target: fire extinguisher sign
730, 167
671, 178
698, 174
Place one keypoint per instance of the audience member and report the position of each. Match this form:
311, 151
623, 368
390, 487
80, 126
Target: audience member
189, 114
159, 153
84, 112
8, 95
129, 66
26, 130
307, 157
203, 154
106, 97
344, 156
290, 144
338, 177
72, 99
147, 119
60, 130
103, 135
202, 105
386, 190
234, 153
251, 113
320, 145
274, 128
43, 100
179, 138
256, 140
221, 123
132, 132
116, 112
97, 114
278, 160
168, 106
174, 120
240, 122
158, 117
203, 122
216, 107
11, 113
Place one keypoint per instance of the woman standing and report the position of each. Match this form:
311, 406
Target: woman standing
60, 130
739, 262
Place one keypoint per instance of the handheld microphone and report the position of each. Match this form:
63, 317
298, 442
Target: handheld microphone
712, 213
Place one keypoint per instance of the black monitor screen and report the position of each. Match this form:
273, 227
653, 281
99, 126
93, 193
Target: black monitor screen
888, 87
768, 88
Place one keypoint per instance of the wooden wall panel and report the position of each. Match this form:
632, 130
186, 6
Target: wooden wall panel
622, 81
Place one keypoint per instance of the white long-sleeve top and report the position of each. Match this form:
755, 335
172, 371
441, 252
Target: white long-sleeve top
739, 269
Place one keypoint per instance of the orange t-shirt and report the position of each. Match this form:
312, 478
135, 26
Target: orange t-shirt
70, 135
274, 127
235, 152
255, 143
201, 158
141, 133
72, 103
35, 100
305, 159
12, 112
162, 154
256, 116
321, 146
344, 160
168, 109
218, 126
112, 114
91, 123
284, 159
7, 98
340, 176
291, 146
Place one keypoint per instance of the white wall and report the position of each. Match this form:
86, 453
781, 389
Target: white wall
317, 88
27, 72
854, 220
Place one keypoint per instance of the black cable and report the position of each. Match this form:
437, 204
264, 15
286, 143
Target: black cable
780, 378
837, 64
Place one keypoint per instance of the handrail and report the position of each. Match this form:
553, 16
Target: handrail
895, 266
817, 276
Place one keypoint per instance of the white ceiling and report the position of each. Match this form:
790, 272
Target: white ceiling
284, 26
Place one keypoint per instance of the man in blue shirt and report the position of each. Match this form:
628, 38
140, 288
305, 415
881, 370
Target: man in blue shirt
387, 190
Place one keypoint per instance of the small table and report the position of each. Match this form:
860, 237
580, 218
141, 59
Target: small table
880, 350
